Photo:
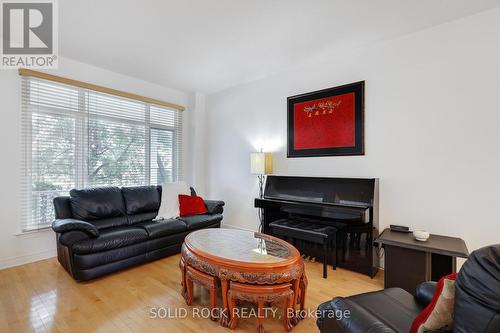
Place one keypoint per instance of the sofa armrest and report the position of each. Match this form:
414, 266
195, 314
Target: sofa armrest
215, 206
424, 292
65, 225
344, 315
71, 237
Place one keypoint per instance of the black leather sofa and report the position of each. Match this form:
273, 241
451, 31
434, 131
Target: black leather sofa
102, 230
477, 302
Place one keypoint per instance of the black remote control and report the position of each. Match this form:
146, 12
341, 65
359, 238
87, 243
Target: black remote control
399, 228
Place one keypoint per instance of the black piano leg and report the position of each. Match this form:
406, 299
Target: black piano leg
325, 259
344, 246
357, 244
334, 247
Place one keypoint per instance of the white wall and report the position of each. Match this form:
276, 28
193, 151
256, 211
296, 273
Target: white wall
19, 249
432, 129
197, 136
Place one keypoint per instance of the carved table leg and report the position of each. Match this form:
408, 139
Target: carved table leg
260, 316
213, 302
189, 287
182, 266
295, 286
303, 292
288, 308
224, 315
232, 312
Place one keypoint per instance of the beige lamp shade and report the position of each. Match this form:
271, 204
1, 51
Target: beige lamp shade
261, 163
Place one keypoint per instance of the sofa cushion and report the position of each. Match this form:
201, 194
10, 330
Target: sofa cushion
97, 203
200, 221
167, 241
111, 238
110, 222
141, 199
397, 309
141, 217
191, 205
91, 260
438, 315
169, 206
344, 315
389, 310
157, 229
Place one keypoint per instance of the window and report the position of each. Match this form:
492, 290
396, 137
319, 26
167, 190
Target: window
76, 137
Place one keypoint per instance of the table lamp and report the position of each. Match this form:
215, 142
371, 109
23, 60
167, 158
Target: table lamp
261, 164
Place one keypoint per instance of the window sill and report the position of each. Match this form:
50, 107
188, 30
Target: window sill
33, 232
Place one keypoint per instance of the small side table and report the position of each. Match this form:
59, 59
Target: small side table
409, 262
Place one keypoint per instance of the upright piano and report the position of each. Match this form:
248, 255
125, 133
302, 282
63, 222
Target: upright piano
351, 201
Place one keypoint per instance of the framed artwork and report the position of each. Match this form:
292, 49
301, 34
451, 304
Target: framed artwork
327, 122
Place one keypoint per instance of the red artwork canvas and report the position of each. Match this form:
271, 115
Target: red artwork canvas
327, 122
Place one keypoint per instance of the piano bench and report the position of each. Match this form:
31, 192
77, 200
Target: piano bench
310, 232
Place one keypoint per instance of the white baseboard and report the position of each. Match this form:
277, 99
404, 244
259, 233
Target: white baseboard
26, 258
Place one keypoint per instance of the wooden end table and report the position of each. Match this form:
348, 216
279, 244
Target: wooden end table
409, 262
242, 256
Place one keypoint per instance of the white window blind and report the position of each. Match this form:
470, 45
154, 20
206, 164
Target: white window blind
75, 137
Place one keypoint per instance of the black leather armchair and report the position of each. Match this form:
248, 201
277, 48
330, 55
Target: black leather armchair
102, 230
477, 302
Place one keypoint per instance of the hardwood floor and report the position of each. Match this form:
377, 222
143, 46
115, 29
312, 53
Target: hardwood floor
42, 297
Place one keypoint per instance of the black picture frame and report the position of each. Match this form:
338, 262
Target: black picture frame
359, 108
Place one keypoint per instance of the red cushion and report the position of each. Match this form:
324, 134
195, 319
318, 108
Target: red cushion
423, 317
191, 205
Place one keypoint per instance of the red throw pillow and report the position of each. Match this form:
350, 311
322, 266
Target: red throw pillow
191, 205
438, 315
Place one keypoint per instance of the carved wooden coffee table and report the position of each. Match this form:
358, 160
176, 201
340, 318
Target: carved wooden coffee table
242, 256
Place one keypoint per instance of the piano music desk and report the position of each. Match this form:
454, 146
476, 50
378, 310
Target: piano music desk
409, 262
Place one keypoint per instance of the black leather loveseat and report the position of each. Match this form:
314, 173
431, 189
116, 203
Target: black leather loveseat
477, 302
102, 230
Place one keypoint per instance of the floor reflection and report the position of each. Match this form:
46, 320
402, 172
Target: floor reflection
42, 309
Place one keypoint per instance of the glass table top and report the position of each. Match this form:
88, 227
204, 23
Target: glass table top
240, 245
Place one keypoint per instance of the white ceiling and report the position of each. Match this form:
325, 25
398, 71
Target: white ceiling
210, 45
